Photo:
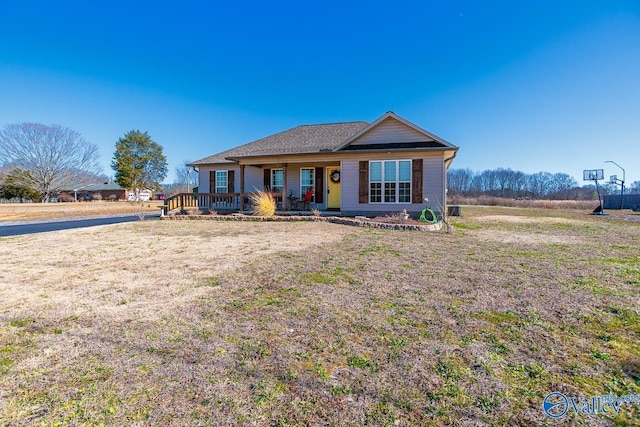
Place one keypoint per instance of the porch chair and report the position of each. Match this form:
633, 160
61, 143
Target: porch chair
306, 201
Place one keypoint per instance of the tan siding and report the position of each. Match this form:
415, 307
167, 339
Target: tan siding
293, 175
433, 177
293, 178
433, 167
252, 179
433, 185
349, 185
203, 176
203, 179
389, 131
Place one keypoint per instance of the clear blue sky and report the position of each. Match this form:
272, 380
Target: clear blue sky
535, 86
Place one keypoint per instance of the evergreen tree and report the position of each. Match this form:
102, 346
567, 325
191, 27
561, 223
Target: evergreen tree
139, 162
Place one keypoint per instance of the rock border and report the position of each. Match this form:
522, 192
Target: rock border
356, 222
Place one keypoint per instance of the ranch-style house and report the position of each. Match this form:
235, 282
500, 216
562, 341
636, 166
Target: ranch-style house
352, 168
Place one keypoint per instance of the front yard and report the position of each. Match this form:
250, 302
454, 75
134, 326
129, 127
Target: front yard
233, 323
10, 212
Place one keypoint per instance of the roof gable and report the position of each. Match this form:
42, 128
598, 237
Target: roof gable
393, 132
299, 140
389, 132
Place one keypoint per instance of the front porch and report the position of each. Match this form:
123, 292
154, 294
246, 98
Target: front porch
299, 185
237, 202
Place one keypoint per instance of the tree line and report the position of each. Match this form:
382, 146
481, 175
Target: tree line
508, 183
37, 161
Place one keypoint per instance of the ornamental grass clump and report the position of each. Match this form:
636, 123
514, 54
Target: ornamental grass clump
263, 203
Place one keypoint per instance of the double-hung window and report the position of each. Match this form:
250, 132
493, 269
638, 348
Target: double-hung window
390, 181
221, 182
276, 180
307, 180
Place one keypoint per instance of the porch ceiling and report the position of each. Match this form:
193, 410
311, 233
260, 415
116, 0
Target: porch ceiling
323, 159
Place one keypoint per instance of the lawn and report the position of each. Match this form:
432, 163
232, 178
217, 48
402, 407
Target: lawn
57, 211
246, 323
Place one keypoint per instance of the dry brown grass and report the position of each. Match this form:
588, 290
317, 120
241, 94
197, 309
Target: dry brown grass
588, 205
45, 211
215, 323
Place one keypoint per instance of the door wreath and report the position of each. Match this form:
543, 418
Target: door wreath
335, 176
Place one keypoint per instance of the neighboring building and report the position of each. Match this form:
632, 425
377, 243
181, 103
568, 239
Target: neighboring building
105, 191
356, 168
144, 195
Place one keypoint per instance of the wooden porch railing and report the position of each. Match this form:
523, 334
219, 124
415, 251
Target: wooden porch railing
211, 201
227, 201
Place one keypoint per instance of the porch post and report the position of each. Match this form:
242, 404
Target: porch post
241, 188
284, 186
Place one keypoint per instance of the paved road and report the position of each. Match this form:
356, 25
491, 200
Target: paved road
41, 227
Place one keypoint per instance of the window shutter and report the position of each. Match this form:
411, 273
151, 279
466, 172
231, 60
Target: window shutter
230, 182
267, 179
363, 186
319, 197
416, 181
212, 181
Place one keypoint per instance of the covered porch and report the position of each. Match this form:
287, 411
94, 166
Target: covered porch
296, 187
233, 202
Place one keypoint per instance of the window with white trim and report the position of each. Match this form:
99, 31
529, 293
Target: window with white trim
221, 182
276, 180
307, 180
390, 181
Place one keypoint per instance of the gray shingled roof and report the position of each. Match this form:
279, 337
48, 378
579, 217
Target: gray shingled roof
299, 140
92, 187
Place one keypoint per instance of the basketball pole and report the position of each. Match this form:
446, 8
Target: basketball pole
601, 210
595, 175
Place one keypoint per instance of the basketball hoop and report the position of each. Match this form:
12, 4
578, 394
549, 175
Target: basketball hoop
595, 175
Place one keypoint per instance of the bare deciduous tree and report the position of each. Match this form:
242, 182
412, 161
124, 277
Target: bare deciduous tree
185, 177
459, 180
54, 155
508, 183
634, 188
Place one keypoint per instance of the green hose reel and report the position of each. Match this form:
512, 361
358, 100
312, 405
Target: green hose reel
428, 215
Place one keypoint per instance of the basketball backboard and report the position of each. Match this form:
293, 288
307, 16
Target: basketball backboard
592, 174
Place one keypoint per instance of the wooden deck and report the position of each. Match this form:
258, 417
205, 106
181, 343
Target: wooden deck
213, 201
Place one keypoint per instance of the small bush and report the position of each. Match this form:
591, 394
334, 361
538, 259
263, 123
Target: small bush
263, 203
66, 198
96, 196
112, 198
316, 212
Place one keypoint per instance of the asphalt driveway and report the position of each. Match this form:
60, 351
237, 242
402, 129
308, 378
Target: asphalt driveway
43, 227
